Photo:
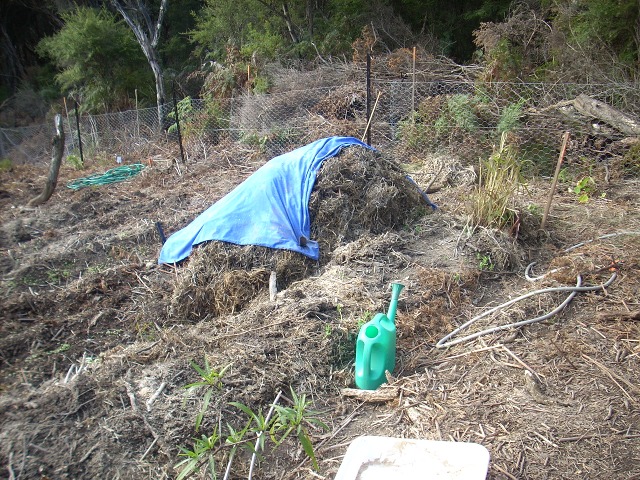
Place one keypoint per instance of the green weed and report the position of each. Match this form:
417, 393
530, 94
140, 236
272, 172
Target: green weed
584, 189
499, 181
75, 161
62, 348
296, 419
510, 117
5, 165
211, 380
485, 264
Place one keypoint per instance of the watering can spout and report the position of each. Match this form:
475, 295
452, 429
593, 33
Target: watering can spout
396, 288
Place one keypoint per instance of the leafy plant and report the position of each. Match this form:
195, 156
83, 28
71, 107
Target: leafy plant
584, 189
98, 58
510, 117
413, 131
485, 263
5, 165
75, 161
211, 381
631, 162
366, 316
327, 330
296, 419
185, 115
460, 107
255, 140
535, 210
62, 348
257, 429
202, 452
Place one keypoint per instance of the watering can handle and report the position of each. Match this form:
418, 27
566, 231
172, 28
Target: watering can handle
366, 360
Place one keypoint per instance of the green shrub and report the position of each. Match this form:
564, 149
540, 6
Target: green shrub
459, 113
510, 117
75, 161
631, 162
6, 165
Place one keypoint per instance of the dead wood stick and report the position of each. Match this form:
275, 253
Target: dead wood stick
594, 108
155, 396
146, 452
622, 315
273, 286
615, 378
381, 395
428, 189
452, 357
565, 139
502, 470
56, 160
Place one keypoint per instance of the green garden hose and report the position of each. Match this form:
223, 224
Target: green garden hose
117, 174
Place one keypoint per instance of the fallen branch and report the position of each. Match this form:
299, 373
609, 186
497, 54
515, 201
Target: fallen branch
590, 107
620, 315
383, 394
620, 121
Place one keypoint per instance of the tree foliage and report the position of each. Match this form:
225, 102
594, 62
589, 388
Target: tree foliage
100, 63
604, 34
564, 40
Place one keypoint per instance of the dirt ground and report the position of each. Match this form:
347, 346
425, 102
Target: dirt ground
96, 349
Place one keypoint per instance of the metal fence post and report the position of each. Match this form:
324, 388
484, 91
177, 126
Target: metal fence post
79, 138
175, 107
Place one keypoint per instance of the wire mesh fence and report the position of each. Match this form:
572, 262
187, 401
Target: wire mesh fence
463, 119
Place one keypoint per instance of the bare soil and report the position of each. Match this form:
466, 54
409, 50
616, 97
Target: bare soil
96, 342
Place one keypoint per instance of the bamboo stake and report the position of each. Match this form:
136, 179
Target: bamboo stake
371, 116
565, 139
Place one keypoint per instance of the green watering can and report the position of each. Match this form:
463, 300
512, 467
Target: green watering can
376, 345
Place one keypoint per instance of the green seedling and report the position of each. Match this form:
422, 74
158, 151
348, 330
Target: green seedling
203, 451
62, 348
296, 419
211, 380
484, 263
585, 188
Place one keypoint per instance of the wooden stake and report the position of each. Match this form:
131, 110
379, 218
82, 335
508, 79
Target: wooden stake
413, 85
565, 140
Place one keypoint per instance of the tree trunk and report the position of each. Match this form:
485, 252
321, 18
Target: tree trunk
159, 78
609, 115
56, 160
287, 20
148, 35
310, 17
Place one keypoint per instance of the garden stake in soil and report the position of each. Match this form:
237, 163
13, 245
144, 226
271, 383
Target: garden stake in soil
565, 139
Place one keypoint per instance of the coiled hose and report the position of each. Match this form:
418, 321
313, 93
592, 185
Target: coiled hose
117, 174
444, 342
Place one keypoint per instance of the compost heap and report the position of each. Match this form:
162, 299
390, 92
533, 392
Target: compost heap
356, 193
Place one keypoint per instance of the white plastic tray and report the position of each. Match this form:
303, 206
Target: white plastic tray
387, 458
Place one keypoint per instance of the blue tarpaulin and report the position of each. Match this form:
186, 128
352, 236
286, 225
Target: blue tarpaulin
270, 208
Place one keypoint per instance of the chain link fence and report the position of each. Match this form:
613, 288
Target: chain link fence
461, 119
